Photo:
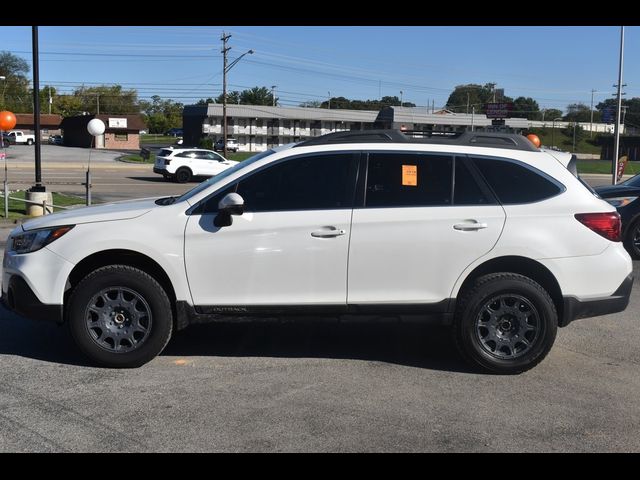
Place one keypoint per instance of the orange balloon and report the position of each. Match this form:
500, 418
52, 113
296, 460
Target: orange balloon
534, 139
7, 120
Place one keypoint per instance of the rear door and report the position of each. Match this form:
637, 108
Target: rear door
423, 219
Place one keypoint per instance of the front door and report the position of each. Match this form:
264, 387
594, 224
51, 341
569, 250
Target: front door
425, 219
290, 246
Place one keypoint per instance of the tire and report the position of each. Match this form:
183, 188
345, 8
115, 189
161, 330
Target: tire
101, 321
633, 232
517, 336
183, 175
29, 142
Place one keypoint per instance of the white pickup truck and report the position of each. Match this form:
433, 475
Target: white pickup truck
18, 136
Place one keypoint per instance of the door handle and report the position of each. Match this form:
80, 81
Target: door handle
328, 232
465, 227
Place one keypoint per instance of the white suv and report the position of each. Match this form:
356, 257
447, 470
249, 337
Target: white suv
182, 164
482, 232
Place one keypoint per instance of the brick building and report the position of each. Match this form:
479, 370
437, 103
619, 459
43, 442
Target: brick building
122, 132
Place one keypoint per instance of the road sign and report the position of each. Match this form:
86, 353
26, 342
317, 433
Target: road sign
607, 115
499, 110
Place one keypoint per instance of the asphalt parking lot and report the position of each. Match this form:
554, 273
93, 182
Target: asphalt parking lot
337, 387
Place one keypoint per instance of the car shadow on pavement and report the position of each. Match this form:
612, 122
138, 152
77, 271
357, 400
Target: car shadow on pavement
39, 340
409, 344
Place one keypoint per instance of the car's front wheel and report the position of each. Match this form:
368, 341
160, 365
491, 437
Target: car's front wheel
120, 316
505, 323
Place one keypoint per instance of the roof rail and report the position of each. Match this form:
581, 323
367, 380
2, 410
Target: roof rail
511, 141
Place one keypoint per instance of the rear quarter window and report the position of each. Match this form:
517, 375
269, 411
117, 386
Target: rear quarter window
514, 182
165, 152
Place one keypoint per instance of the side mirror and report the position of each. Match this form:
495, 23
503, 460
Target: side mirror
230, 204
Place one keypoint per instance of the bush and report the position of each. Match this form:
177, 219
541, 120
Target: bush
206, 143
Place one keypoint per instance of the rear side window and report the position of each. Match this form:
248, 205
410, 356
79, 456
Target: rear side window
165, 152
408, 180
514, 183
466, 190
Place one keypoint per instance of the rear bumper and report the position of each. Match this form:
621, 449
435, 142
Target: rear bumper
19, 298
575, 309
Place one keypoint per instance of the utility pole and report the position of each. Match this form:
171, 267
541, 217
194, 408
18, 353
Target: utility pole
98, 107
616, 140
467, 103
50, 101
225, 49
36, 109
433, 106
401, 97
273, 94
329, 100
591, 123
225, 70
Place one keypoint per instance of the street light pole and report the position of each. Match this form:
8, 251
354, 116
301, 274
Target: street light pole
273, 94
591, 123
225, 70
616, 140
329, 100
553, 129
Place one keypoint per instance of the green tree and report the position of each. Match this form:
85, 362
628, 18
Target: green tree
204, 102
257, 96
111, 99
548, 114
526, 107
464, 97
161, 115
14, 89
232, 97
578, 112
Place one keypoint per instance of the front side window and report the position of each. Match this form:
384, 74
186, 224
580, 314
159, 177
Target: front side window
311, 182
515, 183
408, 180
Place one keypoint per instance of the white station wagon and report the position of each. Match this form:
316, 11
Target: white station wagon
481, 231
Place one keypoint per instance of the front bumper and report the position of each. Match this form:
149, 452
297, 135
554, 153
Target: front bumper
575, 309
19, 298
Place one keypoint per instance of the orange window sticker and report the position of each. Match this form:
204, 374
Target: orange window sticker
410, 175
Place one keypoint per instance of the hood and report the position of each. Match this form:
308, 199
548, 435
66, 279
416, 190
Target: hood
95, 213
609, 191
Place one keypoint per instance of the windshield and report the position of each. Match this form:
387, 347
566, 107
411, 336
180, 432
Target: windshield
221, 176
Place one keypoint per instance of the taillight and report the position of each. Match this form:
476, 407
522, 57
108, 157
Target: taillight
167, 161
607, 224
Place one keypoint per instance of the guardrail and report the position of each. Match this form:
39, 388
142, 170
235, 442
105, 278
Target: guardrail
44, 205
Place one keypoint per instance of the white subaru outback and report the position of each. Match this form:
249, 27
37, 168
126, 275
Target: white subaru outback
483, 232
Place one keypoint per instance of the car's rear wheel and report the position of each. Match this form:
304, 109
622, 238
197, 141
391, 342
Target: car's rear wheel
183, 175
29, 142
120, 316
505, 323
632, 239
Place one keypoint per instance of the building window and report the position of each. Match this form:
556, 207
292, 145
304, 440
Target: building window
121, 137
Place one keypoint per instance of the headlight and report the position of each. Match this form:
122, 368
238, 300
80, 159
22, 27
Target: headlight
28, 242
620, 201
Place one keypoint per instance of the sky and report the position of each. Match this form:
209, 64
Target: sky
554, 65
